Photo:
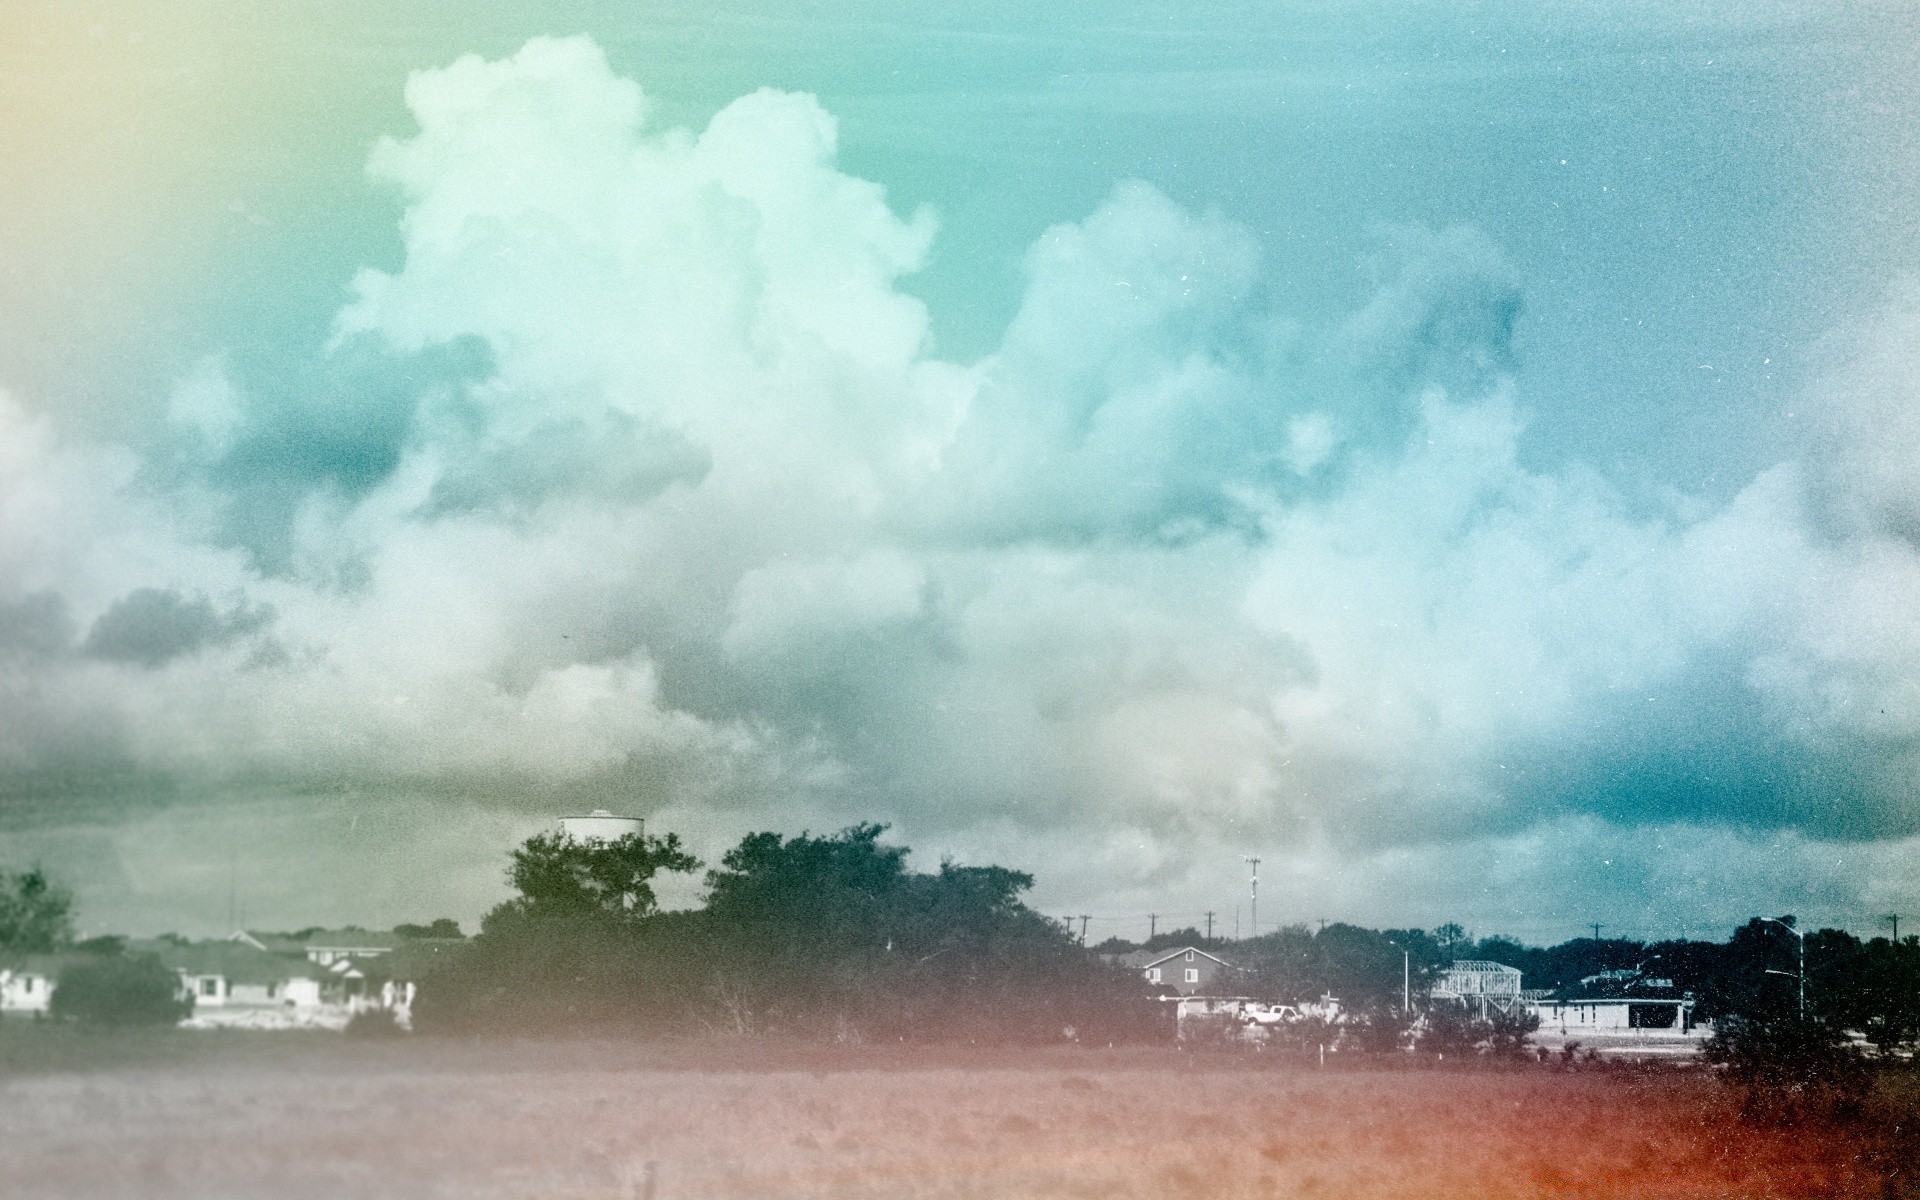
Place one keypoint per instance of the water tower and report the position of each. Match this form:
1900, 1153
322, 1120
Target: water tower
601, 826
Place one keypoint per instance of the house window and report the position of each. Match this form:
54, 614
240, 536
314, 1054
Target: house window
1193, 975
210, 986
1189, 956
1153, 974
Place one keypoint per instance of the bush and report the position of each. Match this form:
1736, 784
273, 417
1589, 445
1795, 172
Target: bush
120, 989
1377, 1031
1791, 1070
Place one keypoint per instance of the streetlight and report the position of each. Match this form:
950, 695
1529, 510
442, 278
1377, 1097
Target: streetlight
1254, 916
1802, 973
1406, 976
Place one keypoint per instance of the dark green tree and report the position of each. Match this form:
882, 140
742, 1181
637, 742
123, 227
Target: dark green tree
443, 927
35, 915
835, 933
119, 989
558, 876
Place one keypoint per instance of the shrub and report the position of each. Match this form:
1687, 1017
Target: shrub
1507, 1034
1791, 1070
120, 989
1376, 1031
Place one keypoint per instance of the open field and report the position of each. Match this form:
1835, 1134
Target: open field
211, 1116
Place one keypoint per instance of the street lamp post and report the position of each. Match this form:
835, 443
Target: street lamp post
1406, 976
1802, 973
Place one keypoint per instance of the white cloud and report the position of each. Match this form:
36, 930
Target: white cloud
715, 532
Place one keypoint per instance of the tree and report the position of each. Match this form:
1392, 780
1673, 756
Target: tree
835, 933
578, 947
119, 989
558, 876
35, 914
444, 927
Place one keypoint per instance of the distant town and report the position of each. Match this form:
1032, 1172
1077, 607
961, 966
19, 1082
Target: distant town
811, 934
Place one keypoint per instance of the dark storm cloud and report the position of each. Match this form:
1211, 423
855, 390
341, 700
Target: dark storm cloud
151, 627
37, 625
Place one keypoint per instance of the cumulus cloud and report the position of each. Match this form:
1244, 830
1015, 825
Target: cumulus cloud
639, 481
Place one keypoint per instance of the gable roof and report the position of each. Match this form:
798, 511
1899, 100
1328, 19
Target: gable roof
1158, 957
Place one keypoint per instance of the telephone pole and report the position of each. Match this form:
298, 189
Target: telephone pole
1894, 920
1209, 925
1084, 918
1596, 931
1153, 924
1253, 910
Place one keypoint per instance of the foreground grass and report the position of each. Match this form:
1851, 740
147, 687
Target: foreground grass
182, 1114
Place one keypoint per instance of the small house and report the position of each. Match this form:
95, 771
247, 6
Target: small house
1187, 971
228, 974
27, 986
1637, 1015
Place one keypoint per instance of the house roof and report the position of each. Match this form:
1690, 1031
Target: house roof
350, 939
1158, 957
237, 962
47, 966
277, 943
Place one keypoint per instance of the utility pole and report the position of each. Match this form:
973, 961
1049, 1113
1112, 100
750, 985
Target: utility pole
1323, 924
1596, 930
1084, 918
1153, 924
1209, 925
1253, 914
1894, 920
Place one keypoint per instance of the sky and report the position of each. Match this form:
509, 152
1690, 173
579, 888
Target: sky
1465, 456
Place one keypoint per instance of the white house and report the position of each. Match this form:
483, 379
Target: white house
231, 974
27, 986
1634, 1015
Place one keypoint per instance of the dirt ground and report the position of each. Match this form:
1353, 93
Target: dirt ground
293, 1116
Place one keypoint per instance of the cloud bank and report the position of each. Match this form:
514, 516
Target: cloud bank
641, 483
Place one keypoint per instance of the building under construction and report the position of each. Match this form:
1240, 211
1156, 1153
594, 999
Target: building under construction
1480, 985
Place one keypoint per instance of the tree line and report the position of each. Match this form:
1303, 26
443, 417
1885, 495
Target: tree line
819, 936
835, 935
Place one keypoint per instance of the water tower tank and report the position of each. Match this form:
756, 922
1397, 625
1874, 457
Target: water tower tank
600, 826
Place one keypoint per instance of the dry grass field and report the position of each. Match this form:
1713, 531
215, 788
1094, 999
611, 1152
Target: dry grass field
212, 1116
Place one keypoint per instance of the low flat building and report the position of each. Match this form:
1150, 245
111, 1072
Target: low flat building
1648, 1016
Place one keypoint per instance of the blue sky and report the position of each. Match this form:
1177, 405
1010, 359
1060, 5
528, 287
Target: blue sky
1463, 454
